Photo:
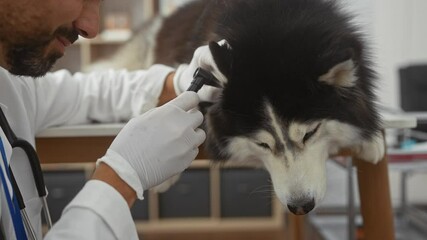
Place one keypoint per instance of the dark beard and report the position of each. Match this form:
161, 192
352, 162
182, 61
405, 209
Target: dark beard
29, 61
28, 58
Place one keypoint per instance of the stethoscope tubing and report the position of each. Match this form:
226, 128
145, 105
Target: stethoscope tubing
34, 161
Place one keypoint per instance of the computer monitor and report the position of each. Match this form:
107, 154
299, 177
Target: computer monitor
413, 92
413, 88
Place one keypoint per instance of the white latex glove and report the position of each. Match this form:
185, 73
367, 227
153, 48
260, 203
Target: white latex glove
184, 74
158, 144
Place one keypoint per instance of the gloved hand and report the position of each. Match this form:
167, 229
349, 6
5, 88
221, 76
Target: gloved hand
158, 144
184, 74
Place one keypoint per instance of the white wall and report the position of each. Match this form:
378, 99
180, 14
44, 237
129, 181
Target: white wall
398, 30
400, 38
398, 34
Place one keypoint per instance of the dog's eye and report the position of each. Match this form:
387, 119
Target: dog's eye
310, 134
264, 145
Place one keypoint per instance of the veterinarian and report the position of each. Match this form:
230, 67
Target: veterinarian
151, 148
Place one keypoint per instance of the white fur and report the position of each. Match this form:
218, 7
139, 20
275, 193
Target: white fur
274, 121
372, 150
264, 137
244, 150
341, 75
346, 135
341, 135
300, 172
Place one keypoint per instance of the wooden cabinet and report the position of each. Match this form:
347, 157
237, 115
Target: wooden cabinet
209, 198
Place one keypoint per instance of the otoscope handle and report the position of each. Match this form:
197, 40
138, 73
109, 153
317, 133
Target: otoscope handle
196, 84
200, 78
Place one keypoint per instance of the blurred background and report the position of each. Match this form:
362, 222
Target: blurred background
238, 199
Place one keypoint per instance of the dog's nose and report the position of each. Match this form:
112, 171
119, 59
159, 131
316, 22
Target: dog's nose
302, 206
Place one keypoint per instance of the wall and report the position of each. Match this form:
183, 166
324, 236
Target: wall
399, 37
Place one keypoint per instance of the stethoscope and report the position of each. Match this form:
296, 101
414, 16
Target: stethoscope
29, 150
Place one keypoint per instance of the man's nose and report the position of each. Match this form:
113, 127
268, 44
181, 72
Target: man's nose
87, 24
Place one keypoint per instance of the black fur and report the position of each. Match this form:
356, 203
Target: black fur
279, 50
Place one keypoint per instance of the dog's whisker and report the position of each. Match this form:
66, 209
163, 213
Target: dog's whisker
262, 189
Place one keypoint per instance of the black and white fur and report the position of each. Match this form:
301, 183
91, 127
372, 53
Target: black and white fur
299, 87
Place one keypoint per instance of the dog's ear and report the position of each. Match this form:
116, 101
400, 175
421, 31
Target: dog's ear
222, 57
341, 71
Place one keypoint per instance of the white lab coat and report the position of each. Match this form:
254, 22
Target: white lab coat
32, 105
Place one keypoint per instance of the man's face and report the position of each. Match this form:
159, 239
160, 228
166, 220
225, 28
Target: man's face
34, 33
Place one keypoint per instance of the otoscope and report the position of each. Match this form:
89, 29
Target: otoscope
202, 77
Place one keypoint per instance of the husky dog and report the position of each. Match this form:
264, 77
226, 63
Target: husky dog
299, 87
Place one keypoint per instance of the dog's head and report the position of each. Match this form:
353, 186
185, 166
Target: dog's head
293, 95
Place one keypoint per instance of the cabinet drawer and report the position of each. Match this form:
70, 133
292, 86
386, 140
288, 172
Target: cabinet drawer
189, 197
139, 210
62, 187
245, 193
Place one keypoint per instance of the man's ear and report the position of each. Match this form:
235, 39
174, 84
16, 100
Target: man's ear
222, 57
342, 71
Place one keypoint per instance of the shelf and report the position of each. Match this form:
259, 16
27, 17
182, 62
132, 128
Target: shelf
201, 174
204, 225
118, 20
108, 37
